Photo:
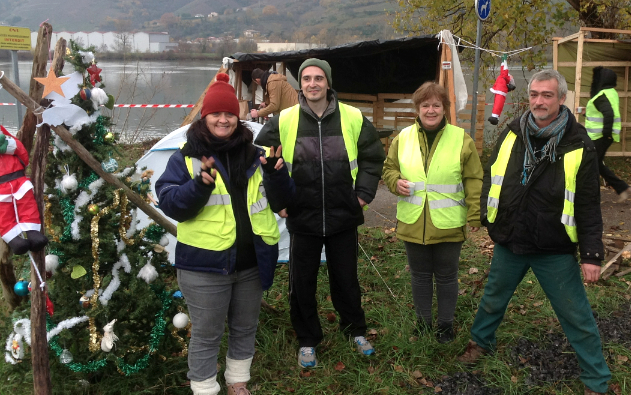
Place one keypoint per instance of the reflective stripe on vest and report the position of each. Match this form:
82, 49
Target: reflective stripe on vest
214, 228
498, 170
594, 119
442, 185
571, 164
351, 120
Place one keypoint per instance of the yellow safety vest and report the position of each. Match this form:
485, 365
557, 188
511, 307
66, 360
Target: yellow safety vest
215, 228
594, 119
351, 119
571, 163
442, 185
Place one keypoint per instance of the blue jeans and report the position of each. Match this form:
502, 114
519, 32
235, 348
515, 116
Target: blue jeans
210, 298
560, 278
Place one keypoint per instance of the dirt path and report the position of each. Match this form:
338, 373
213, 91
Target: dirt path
616, 216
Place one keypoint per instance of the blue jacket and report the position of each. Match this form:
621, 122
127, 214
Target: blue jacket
182, 198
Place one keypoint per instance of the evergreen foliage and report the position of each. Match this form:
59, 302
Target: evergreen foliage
92, 230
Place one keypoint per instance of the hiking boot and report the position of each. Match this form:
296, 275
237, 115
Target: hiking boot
307, 357
472, 353
623, 196
238, 389
445, 333
363, 345
590, 392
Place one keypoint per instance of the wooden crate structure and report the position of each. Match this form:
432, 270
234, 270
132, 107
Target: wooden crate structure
574, 56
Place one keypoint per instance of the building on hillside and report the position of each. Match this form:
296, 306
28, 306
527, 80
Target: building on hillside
251, 33
213, 15
153, 42
284, 47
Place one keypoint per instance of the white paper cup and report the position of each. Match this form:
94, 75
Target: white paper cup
411, 185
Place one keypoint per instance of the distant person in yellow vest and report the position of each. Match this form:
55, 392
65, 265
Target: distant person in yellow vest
435, 170
223, 190
540, 201
603, 124
278, 94
335, 157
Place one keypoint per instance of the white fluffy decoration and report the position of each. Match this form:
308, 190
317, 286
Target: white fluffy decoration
59, 143
95, 185
8, 358
52, 262
23, 327
164, 241
69, 183
148, 273
124, 173
65, 324
180, 320
74, 227
115, 282
107, 342
132, 224
120, 246
86, 56
98, 97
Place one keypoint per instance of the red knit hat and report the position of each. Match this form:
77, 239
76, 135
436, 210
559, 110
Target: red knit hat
220, 97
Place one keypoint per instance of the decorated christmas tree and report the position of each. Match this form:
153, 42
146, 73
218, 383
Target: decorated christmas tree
114, 305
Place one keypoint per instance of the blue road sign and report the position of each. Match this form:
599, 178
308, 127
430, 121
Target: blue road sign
483, 9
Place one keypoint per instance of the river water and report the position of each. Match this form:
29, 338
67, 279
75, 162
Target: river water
166, 82
144, 82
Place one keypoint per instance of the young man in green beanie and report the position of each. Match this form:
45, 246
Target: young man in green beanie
335, 157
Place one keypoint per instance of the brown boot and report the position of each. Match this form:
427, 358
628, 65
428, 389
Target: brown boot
472, 353
590, 392
238, 389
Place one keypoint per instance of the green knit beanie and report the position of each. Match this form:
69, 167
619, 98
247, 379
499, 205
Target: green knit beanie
322, 64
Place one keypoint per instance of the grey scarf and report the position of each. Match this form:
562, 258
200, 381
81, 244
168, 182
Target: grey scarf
553, 132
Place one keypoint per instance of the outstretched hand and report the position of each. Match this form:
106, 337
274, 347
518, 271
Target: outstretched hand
274, 158
208, 172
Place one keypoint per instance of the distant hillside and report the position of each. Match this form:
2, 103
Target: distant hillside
327, 21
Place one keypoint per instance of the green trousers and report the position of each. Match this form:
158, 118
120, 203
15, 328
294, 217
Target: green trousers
560, 279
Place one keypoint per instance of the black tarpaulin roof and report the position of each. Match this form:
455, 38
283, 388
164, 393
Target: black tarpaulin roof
368, 67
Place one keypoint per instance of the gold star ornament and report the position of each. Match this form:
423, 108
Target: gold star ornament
52, 83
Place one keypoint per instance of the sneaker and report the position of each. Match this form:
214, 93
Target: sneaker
623, 196
307, 357
472, 353
363, 345
445, 333
238, 389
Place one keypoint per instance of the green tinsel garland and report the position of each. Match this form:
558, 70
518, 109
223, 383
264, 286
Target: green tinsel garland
154, 233
67, 210
157, 332
88, 180
100, 130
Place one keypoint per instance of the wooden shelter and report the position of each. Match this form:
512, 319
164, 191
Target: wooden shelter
379, 77
574, 57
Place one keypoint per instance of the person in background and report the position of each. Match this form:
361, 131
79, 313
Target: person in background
603, 124
435, 170
223, 190
278, 94
540, 200
335, 157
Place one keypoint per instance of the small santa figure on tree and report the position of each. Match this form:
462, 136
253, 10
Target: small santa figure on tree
503, 84
18, 208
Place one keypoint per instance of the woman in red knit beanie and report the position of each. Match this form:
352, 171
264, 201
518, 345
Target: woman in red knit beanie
223, 191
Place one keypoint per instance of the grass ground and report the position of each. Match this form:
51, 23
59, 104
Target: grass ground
404, 363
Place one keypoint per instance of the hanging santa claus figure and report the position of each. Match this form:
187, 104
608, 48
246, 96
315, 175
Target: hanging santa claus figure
503, 84
20, 225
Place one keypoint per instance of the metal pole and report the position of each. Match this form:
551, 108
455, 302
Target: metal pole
476, 70
16, 79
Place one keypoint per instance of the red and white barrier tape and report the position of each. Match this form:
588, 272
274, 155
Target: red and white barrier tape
136, 105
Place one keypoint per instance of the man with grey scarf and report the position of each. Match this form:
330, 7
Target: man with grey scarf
540, 201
